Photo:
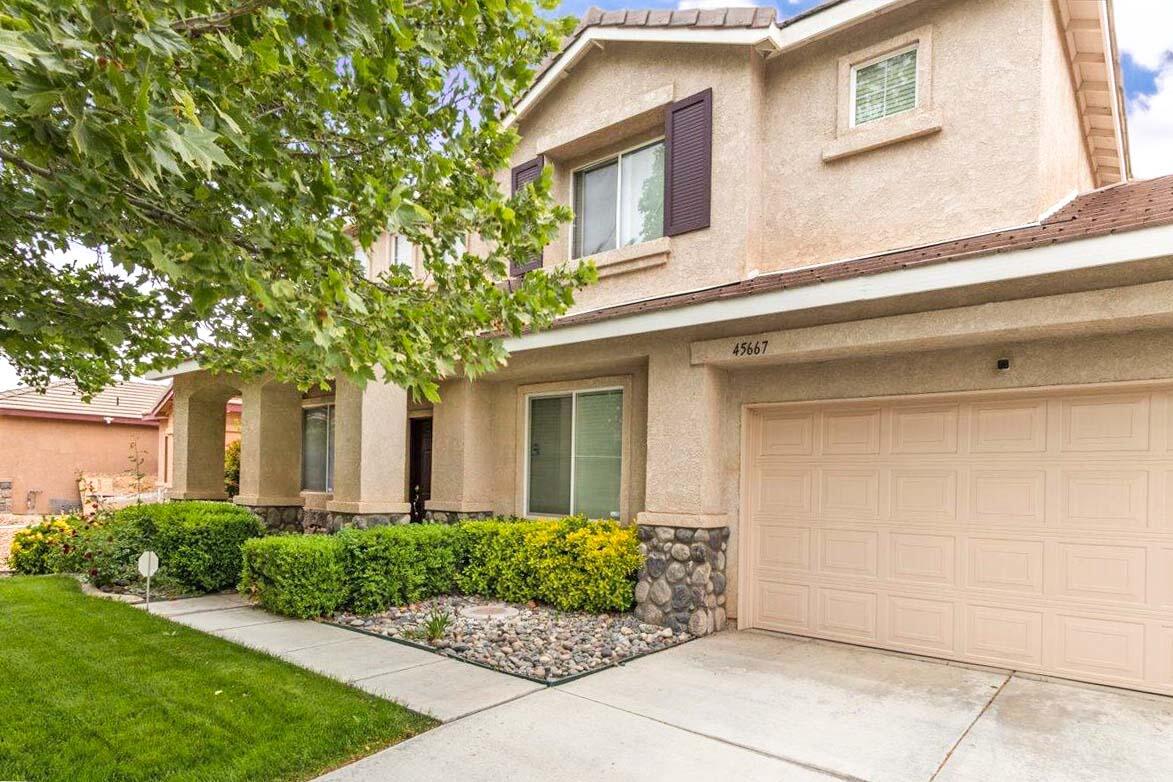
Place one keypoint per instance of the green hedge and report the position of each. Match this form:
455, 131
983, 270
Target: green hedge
296, 575
572, 564
198, 544
402, 564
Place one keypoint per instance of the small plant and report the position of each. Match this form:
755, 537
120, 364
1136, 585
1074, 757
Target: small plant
436, 624
232, 468
137, 459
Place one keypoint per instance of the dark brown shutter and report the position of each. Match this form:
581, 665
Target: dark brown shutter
521, 176
688, 164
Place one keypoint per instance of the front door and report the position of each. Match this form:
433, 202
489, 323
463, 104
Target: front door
420, 466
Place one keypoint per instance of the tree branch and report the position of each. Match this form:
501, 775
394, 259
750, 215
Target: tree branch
199, 25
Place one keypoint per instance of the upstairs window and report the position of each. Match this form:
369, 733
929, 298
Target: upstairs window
619, 201
402, 252
884, 86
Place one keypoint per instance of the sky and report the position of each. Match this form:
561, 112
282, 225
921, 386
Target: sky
1144, 33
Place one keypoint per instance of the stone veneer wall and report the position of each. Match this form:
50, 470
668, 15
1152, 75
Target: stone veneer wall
453, 516
286, 518
682, 583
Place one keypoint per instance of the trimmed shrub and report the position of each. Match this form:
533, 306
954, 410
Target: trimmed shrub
572, 564
399, 564
198, 544
40, 549
296, 575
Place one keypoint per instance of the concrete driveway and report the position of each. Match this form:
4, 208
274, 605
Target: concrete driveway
749, 706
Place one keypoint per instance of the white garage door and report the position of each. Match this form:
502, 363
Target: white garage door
1031, 530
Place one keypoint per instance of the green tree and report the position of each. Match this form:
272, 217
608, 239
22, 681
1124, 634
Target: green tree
224, 157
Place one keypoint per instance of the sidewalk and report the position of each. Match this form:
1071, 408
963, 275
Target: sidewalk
444, 688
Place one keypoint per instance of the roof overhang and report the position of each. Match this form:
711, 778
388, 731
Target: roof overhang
1088, 30
78, 417
792, 33
1098, 251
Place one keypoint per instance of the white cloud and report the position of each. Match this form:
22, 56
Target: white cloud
1150, 128
1144, 29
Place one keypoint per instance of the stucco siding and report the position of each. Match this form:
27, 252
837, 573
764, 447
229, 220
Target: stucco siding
44, 456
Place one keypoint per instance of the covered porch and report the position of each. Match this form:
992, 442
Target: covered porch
308, 461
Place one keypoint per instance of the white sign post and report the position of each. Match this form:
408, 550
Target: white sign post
148, 563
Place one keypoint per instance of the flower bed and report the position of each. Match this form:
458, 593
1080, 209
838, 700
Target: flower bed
535, 641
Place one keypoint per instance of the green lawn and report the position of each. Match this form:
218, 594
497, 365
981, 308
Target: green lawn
91, 689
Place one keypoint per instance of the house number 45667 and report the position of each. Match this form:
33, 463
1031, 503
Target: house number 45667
755, 348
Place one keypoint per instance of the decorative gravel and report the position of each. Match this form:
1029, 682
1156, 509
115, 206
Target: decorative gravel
530, 640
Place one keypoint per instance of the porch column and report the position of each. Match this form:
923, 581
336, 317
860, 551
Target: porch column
198, 437
370, 453
684, 531
270, 445
462, 460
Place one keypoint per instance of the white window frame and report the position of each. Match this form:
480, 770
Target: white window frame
855, 68
573, 393
599, 163
329, 484
395, 240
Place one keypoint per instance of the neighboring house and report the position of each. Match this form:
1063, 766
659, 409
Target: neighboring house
161, 414
881, 352
47, 439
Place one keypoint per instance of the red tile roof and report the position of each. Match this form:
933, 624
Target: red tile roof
1115, 209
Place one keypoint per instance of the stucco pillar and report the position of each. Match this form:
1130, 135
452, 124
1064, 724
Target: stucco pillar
370, 452
684, 481
198, 437
270, 445
684, 531
462, 458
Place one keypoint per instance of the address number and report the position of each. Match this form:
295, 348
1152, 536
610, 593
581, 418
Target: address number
755, 348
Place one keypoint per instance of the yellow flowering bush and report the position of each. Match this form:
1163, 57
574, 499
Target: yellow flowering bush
43, 547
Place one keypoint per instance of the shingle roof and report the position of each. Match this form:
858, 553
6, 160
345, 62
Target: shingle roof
129, 400
733, 17
1115, 209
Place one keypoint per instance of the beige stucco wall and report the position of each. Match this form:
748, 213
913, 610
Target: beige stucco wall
166, 442
45, 455
1008, 148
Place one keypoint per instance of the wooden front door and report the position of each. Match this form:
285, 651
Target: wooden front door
420, 468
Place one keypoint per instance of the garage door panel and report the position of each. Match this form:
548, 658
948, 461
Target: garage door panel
850, 493
1113, 499
851, 431
927, 559
1006, 565
919, 624
1004, 636
843, 613
924, 430
784, 606
924, 495
1008, 497
848, 553
1088, 647
785, 491
1031, 531
1105, 423
1008, 427
1100, 572
784, 548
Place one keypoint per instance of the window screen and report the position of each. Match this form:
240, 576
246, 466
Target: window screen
886, 87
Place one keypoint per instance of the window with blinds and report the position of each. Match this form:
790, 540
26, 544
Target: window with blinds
885, 87
576, 454
317, 448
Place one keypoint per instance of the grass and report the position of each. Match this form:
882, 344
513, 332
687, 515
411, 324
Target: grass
91, 689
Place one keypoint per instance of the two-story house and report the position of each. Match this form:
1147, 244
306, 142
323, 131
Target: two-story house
881, 352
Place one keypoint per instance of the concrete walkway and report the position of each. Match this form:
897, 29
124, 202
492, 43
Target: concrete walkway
444, 688
741, 705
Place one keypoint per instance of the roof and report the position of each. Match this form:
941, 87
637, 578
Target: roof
127, 402
1115, 209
